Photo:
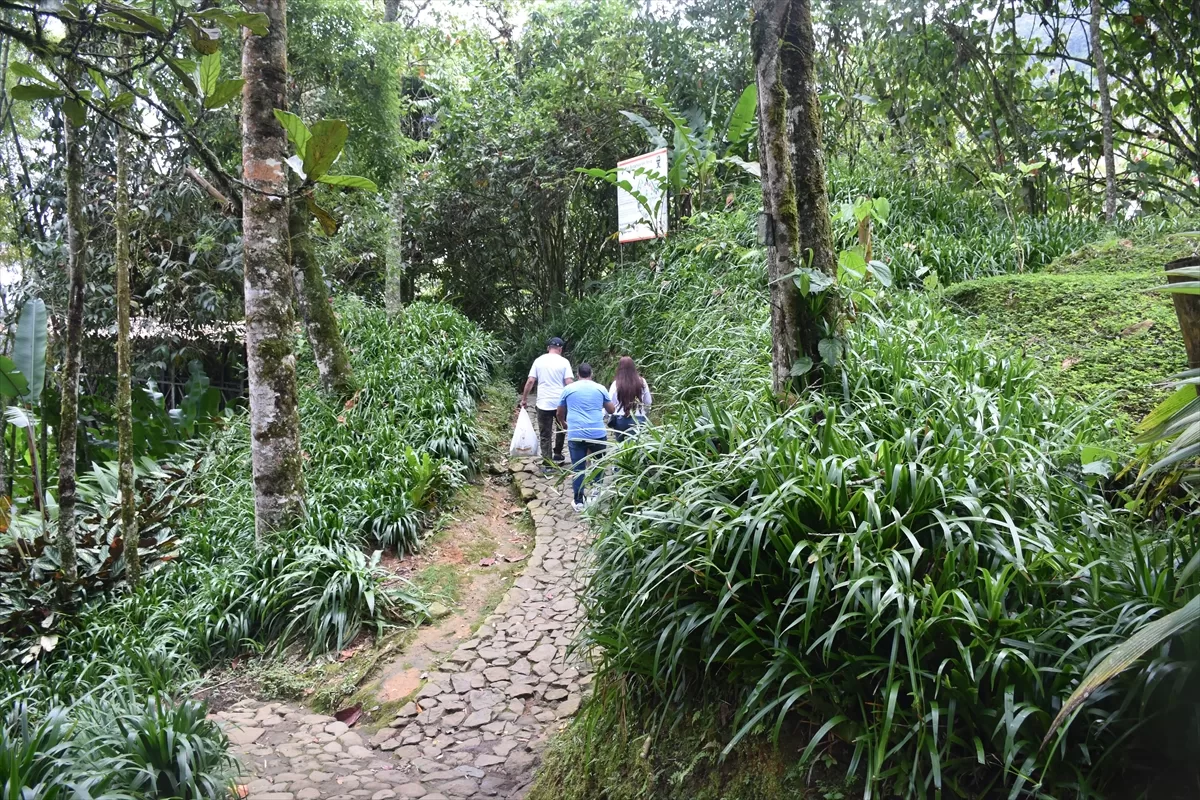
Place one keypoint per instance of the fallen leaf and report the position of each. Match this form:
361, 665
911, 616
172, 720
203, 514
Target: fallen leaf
1067, 363
353, 401
1144, 325
241, 790
341, 419
514, 559
486, 562
349, 715
1126, 243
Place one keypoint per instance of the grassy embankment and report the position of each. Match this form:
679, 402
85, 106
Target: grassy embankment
901, 578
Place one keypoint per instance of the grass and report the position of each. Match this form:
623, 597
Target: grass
1100, 334
440, 581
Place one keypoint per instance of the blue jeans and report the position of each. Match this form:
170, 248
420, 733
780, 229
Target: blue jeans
582, 451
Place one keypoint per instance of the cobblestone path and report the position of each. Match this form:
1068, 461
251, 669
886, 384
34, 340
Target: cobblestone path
477, 726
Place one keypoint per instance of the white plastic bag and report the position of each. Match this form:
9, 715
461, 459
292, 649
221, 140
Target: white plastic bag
524, 441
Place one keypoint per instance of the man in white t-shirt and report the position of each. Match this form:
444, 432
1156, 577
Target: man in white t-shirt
550, 373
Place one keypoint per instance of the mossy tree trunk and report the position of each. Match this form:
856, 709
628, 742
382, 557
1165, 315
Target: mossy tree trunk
1106, 121
320, 321
129, 531
77, 253
266, 256
393, 282
794, 197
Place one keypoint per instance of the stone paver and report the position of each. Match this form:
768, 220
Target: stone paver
478, 725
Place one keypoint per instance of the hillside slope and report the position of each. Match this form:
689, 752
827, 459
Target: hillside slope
1100, 333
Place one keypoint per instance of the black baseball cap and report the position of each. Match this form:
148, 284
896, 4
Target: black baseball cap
554, 342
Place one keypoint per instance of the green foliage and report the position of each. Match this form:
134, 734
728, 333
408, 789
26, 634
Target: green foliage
696, 157
163, 749
911, 564
29, 348
377, 466
499, 223
126, 749
933, 226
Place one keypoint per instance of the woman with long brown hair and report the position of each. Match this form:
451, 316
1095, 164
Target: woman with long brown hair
631, 396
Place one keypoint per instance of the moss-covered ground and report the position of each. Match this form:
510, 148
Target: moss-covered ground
618, 750
1093, 320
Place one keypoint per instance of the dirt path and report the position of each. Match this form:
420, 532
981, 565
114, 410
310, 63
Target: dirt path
477, 725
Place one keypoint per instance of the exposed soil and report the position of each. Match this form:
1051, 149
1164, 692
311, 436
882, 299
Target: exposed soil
484, 548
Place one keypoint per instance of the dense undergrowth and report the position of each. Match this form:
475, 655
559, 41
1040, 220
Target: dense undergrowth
375, 467
910, 565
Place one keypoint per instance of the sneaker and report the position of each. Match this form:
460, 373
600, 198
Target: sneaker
579, 507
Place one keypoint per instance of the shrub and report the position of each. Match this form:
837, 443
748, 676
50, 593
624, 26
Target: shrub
159, 749
117, 748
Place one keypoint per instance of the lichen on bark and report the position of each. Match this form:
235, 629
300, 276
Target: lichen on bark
69, 389
270, 324
393, 288
793, 183
320, 321
125, 482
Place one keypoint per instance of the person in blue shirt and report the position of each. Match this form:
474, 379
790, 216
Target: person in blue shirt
581, 408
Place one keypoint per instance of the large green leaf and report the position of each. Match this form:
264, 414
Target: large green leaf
232, 20
29, 349
75, 111
741, 119
12, 382
656, 138
210, 72
183, 69
225, 91
297, 132
328, 138
139, 18
23, 70
350, 182
1185, 287
33, 91
1123, 656
1150, 427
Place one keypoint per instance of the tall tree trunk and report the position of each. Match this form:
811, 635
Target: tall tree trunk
793, 181
1106, 123
266, 257
129, 528
393, 281
391, 10
69, 409
320, 322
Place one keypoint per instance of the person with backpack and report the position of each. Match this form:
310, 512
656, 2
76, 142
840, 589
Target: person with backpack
581, 409
631, 399
550, 373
